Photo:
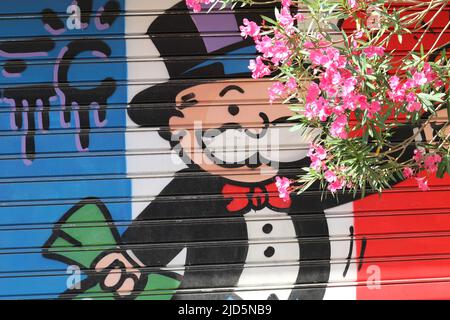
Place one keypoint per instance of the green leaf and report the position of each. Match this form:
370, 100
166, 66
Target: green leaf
371, 86
296, 127
448, 164
431, 97
295, 117
448, 107
269, 20
442, 168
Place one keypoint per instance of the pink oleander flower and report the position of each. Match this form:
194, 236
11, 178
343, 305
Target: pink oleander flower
330, 176
329, 57
339, 127
308, 45
418, 155
358, 34
258, 68
337, 185
373, 51
264, 45
349, 102
374, 107
431, 162
249, 28
283, 186
196, 4
291, 84
414, 106
279, 52
423, 184
299, 17
409, 84
317, 154
429, 73
319, 108
320, 152
419, 79
286, 3
313, 92
316, 163
349, 85
408, 172
285, 19
394, 82
277, 90
352, 3
410, 97
397, 93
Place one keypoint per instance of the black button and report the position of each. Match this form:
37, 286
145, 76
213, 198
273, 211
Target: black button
267, 228
270, 251
233, 109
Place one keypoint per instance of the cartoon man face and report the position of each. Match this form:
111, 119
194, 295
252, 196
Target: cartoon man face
228, 128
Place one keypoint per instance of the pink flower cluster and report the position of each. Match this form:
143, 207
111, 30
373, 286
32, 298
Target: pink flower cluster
335, 183
340, 87
196, 5
407, 91
284, 187
259, 68
286, 20
429, 162
280, 89
318, 154
249, 28
353, 4
373, 51
275, 49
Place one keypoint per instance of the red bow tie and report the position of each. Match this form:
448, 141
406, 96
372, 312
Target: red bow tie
253, 197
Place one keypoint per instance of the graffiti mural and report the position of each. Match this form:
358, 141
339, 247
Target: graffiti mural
139, 162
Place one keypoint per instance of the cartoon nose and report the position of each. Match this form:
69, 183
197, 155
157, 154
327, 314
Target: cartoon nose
261, 131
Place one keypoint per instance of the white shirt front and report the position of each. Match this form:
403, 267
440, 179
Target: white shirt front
273, 256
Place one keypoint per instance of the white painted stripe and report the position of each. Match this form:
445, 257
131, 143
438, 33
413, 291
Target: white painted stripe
340, 226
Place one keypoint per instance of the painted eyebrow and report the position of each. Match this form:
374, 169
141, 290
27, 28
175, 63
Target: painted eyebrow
229, 88
188, 100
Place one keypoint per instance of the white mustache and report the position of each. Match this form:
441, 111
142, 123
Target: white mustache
235, 145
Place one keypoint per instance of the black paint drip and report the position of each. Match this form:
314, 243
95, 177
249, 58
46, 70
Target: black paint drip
30, 111
81, 101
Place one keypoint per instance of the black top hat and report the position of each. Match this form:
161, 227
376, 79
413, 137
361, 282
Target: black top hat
211, 47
